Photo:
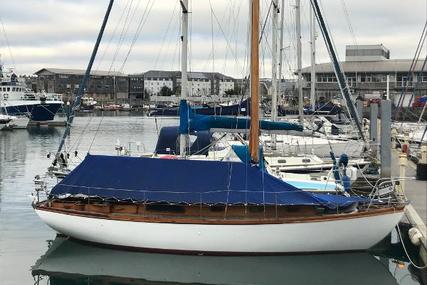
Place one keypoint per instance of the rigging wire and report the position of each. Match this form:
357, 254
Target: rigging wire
122, 36
141, 25
411, 69
7, 42
347, 18
112, 36
171, 18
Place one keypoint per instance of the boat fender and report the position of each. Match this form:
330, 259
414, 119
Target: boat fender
346, 182
351, 172
415, 236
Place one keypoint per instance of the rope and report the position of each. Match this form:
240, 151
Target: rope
406, 251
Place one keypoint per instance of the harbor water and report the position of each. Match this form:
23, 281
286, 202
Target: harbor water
31, 253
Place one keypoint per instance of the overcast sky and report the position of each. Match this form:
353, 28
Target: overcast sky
61, 33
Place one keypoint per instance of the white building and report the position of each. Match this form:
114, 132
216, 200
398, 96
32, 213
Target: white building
155, 80
200, 83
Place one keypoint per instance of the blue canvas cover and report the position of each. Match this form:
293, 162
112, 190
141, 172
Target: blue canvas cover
168, 142
190, 122
184, 181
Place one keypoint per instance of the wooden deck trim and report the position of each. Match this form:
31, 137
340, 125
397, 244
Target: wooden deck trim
159, 218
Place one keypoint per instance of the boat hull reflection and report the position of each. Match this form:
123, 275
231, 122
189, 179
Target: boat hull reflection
73, 262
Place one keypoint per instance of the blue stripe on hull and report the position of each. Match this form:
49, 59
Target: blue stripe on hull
38, 112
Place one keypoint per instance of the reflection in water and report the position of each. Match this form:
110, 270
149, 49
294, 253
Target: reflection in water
73, 262
44, 131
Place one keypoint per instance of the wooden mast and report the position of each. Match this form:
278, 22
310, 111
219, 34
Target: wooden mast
254, 127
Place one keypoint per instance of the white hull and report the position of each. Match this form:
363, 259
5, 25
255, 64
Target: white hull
318, 146
339, 235
20, 122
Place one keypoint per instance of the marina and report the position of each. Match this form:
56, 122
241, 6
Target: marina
21, 249
183, 177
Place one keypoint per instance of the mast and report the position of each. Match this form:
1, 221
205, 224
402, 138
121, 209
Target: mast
274, 94
85, 79
184, 76
342, 82
254, 126
313, 60
299, 60
282, 21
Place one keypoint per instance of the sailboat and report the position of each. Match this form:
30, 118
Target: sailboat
211, 207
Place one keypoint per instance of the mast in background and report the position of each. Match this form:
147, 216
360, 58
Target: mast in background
282, 22
184, 77
342, 81
313, 60
299, 60
254, 125
85, 79
274, 95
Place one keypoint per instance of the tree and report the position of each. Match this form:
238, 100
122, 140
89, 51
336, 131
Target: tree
147, 95
235, 91
229, 92
165, 91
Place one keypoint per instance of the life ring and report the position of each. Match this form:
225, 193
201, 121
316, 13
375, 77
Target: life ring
168, 157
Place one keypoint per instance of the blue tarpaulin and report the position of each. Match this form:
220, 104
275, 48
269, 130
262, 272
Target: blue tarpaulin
185, 181
190, 122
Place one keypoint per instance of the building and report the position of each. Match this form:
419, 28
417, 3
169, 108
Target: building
200, 83
136, 89
366, 53
366, 68
103, 86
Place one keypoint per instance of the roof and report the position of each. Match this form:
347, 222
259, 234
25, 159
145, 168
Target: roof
161, 74
358, 47
191, 75
384, 66
78, 72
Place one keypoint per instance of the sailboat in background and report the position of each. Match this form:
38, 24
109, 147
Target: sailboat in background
212, 207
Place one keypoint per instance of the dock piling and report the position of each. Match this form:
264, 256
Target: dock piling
373, 132
359, 106
385, 138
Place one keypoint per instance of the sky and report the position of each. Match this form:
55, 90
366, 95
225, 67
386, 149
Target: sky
145, 34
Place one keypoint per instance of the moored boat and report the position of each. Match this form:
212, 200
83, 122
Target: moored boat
209, 207
17, 100
212, 207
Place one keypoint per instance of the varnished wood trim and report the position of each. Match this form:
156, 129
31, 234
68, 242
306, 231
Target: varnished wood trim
159, 218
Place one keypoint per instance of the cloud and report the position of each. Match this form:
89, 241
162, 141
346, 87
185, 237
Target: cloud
61, 33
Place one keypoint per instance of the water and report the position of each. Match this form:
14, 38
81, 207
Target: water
31, 253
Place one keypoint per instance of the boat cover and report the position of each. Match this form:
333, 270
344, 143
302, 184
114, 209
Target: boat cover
168, 142
190, 122
185, 181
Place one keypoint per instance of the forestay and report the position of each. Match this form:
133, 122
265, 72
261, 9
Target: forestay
185, 181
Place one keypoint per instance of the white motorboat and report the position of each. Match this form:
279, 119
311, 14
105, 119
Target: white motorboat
17, 100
